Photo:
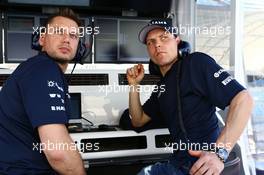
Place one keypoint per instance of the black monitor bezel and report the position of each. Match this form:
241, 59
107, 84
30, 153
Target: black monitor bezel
76, 96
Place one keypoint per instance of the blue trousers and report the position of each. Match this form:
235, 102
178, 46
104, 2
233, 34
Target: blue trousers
162, 169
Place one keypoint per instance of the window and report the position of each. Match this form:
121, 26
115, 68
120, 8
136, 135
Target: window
118, 41
253, 39
19, 30
212, 30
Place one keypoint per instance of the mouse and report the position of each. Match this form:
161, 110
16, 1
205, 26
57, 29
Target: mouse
103, 127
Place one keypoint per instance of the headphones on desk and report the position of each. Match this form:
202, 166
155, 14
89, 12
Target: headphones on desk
184, 50
81, 52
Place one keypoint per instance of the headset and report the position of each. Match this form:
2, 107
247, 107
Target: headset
184, 50
81, 52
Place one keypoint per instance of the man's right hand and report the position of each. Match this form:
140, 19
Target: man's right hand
134, 77
135, 74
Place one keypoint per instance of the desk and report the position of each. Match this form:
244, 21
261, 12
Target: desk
116, 144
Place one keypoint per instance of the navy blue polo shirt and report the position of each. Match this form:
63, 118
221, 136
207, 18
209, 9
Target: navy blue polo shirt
204, 85
35, 94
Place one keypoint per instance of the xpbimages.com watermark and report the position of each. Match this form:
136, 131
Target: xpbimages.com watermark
55, 29
116, 88
61, 146
182, 146
212, 31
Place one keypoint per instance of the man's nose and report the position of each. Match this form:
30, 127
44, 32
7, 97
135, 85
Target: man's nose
157, 43
66, 38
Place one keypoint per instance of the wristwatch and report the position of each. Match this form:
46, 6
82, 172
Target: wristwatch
222, 154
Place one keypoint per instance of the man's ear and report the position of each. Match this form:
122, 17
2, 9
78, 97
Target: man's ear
41, 39
178, 40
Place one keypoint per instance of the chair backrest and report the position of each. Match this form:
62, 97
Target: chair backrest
232, 166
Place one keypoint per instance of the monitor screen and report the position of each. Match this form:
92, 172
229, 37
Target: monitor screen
118, 41
130, 49
106, 40
19, 31
76, 104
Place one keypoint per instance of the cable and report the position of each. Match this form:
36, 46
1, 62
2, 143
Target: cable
91, 123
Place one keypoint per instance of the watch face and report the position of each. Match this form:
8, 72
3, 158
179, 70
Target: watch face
223, 154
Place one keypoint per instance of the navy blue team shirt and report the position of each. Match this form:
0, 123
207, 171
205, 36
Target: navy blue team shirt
35, 94
204, 85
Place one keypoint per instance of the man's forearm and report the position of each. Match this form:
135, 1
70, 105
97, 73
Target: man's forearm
135, 108
237, 118
60, 150
70, 163
66, 160
70, 166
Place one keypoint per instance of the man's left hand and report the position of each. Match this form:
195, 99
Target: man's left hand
207, 164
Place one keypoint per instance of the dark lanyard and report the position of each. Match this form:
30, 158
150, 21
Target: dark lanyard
179, 106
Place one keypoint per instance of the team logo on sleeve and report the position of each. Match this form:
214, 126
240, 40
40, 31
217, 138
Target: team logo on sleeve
55, 95
68, 95
59, 101
52, 95
54, 84
57, 108
227, 80
51, 84
218, 73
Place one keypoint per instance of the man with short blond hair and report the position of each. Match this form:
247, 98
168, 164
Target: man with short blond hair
34, 107
202, 86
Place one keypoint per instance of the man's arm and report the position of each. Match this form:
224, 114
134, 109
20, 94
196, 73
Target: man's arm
138, 117
134, 77
63, 158
237, 118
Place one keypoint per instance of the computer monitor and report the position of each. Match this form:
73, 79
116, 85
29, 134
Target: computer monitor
118, 41
76, 105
